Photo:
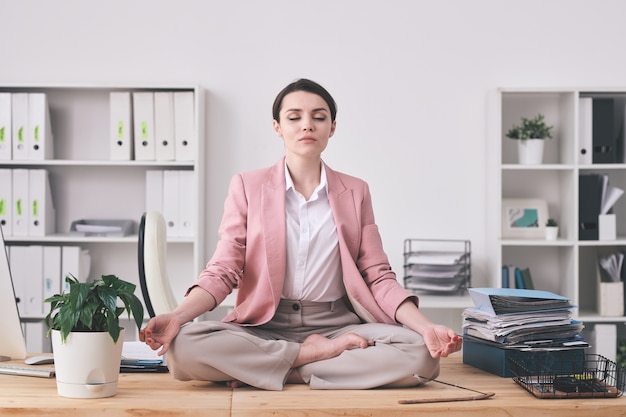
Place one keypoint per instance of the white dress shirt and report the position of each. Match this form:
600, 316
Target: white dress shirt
313, 270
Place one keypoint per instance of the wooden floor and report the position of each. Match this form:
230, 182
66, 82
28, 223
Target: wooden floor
159, 394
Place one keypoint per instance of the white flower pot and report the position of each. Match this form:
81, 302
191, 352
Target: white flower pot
552, 232
530, 151
87, 365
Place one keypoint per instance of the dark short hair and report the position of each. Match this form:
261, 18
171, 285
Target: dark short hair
303, 84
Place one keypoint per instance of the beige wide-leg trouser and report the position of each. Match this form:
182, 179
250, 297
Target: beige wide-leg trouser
262, 356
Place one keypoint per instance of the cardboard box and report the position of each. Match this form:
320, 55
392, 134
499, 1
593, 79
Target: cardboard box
497, 360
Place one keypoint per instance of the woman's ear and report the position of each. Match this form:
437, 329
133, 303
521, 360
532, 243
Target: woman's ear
277, 129
332, 129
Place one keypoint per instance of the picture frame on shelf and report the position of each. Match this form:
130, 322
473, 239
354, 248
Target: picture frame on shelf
524, 218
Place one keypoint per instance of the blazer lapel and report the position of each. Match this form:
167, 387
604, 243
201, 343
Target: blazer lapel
344, 212
274, 227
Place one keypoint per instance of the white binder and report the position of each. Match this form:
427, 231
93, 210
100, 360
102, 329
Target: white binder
51, 272
121, 127
19, 125
585, 130
41, 209
6, 201
171, 202
154, 190
184, 122
18, 261
20, 202
164, 126
187, 204
34, 281
5, 127
75, 261
39, 139
35, 335
143, 121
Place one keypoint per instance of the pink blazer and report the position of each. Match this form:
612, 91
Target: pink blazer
251, 252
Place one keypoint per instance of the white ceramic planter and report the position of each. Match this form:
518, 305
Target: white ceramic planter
87, 365
552, 232
530, 151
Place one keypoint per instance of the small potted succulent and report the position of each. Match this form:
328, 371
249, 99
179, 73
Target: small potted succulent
87, 338
531, 134
552, 229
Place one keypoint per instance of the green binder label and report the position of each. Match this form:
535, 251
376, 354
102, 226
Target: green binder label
120, 130
144, 130
18, 207
3, 207
20, 134
36, 208
2, 138
37, 133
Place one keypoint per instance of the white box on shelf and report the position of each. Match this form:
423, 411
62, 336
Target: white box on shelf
604, 340
611, 298
607, 227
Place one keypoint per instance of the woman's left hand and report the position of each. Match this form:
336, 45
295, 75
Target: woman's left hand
441, 341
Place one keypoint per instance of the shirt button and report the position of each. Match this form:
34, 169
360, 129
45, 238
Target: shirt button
295, 307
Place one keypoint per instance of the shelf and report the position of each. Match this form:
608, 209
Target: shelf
445, 301
84, 184
536, 242
543, 167
97, 163
68, 238
568, 265
593, 317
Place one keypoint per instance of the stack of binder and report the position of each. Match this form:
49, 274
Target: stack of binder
38, 273
172, 193
525, 325
26, 207
25, 127
601, 141
152, 125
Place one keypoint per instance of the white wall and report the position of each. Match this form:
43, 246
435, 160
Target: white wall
411, 78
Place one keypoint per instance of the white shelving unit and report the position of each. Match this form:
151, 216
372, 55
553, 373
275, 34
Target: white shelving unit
567, 265
86, 184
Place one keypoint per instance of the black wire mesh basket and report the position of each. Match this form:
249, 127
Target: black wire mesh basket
591, 376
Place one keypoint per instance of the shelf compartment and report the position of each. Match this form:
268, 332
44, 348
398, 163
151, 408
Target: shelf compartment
558, 109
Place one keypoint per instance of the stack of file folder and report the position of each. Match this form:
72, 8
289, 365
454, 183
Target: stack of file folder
518, 324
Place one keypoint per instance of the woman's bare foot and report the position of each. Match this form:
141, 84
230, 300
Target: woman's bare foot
317, 347
235, 384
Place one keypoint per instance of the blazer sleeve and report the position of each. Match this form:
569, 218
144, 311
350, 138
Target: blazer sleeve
224, 270
373, 263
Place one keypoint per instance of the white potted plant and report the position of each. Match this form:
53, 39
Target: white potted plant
552, 229
530, 134
87, 338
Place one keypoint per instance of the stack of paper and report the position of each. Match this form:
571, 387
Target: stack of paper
528, 319
437, 271
139, 357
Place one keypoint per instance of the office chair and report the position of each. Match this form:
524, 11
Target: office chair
152, 256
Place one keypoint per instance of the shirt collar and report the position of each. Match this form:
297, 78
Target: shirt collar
323, 180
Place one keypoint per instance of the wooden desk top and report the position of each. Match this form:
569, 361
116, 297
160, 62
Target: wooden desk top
159, 394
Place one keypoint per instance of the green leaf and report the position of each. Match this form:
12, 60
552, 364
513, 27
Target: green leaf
108, 297
114, 327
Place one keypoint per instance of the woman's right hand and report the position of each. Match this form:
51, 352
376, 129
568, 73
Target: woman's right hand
160, 331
